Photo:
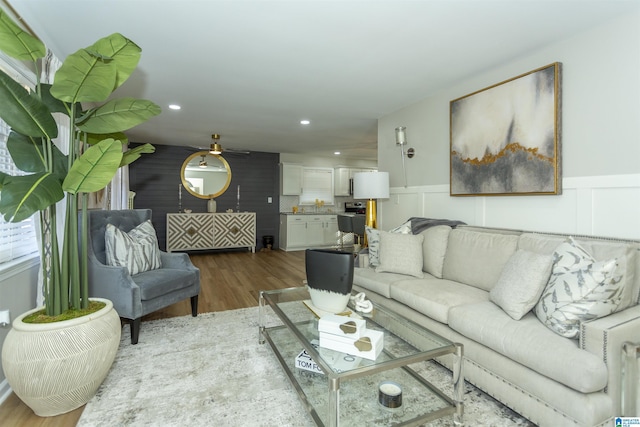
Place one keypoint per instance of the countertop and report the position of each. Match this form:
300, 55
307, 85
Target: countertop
312, 213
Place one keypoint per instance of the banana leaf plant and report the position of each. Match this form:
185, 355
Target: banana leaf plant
96, 141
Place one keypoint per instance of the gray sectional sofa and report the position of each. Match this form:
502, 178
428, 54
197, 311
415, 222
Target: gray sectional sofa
503, 295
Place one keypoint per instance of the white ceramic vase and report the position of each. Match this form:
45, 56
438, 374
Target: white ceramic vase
212, 205
57, 367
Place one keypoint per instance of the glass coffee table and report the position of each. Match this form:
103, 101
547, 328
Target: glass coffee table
344, 390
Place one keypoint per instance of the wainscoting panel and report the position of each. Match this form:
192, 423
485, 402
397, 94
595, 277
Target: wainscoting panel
601, 206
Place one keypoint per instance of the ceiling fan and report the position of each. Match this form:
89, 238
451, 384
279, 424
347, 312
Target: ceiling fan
216, 148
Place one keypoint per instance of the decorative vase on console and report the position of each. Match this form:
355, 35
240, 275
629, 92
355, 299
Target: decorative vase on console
211, 205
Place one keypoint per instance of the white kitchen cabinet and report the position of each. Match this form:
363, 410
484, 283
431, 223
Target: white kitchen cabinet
342, 180
330, 230
302, 231
290, 179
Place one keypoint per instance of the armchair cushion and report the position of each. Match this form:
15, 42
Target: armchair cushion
155, 283
136, 250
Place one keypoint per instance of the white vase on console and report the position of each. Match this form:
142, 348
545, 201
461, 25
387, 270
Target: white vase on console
211, 205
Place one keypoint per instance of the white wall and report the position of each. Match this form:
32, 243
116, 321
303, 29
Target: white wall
600, 143
325, 162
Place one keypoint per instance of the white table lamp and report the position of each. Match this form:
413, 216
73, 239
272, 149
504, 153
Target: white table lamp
371, 186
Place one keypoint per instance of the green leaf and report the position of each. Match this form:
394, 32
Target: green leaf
27, 154
95, 168
54, 104
94, 138
17, 43
3, 176
83, 77
22, 196
118, 115
134, 154
124, 53
23, 111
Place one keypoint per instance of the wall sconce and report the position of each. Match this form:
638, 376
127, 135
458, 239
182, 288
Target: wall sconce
401, 140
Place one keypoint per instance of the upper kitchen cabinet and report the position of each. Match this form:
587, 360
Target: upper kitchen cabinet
343, 176
290, 179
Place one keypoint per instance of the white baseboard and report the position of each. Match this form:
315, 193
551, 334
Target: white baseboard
5, 391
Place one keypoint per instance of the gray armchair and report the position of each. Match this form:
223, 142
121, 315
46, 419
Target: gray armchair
136, 296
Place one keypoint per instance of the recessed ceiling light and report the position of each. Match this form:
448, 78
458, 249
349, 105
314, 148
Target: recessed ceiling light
337, 153
304, 122
174, 106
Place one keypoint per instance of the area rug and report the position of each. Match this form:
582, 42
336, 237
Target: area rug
210, 370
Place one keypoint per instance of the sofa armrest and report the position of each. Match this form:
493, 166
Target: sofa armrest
604, 337
363, 258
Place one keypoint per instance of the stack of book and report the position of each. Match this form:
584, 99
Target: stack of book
350, 335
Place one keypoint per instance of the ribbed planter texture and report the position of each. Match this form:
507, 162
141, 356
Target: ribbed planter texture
57, 367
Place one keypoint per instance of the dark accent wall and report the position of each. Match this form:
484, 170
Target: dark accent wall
156, 178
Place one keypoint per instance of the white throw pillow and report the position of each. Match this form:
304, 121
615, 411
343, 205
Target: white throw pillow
434, 249
400, 253
373, 240
137, 250
580, 289
521, 283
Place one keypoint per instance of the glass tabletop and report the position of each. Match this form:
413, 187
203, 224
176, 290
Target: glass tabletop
404, 341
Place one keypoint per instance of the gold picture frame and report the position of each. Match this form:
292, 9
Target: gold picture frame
505, 139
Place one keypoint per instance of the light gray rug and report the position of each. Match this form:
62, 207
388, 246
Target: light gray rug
210, 370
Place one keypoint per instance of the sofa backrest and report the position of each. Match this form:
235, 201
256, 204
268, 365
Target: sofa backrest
627, 254
626, 251
476, 257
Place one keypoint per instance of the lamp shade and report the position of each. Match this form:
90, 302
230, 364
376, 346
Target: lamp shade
371, 185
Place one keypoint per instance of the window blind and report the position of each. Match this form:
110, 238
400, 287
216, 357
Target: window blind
18, 239
317, 183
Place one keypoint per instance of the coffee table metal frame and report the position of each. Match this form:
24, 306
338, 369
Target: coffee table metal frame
455, 405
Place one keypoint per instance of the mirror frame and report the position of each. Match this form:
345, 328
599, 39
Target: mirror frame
205, 196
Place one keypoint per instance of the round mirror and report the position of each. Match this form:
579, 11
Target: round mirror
205, 175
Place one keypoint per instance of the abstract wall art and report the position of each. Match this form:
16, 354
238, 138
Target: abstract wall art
505, 139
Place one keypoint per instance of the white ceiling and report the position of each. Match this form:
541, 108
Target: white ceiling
251, 70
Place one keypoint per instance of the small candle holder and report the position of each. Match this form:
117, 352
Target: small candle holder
390, 394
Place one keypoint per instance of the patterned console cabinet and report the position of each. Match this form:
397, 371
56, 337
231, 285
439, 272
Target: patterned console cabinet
195, 231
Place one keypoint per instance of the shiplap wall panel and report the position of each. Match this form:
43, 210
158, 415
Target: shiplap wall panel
156, 178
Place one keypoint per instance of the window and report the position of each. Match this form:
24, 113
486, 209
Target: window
17, 240
317, 184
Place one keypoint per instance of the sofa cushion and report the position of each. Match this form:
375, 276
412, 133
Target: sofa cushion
579, 289
136, 250
377, 282
521, 283
400, 253
434, 297
434, 249
477, 258
530, 343
627, 255
373, 239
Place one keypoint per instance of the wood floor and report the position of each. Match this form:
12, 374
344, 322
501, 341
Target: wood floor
229, 280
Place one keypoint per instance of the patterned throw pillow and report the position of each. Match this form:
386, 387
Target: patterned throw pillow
579, 289
373, 240
137, 250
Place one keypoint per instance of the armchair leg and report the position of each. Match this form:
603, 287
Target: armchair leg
134, 325
194, 306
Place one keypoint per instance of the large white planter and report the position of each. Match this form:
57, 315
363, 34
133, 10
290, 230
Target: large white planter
57, 367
